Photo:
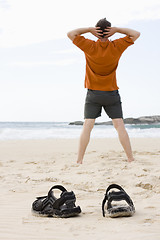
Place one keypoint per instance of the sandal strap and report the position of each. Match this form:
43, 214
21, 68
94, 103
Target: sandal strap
118, 196
60, 187
41, 197
49, 199
114, 186
67, 198
103, 203
54, 187
64, 197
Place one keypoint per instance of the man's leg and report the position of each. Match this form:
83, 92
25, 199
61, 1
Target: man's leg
84, 138
123, 137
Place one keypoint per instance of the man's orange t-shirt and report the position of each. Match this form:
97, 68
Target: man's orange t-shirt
102, 61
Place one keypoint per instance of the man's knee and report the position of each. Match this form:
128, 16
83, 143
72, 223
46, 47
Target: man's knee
118, 123
89, 124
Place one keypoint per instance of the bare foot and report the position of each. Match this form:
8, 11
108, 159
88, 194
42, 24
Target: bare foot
79, 161
130, 159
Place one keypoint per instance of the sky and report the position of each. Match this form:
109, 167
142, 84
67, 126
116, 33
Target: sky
42, 73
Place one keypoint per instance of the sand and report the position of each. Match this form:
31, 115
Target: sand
29, 168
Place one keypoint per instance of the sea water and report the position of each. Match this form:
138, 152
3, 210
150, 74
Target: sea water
52, 130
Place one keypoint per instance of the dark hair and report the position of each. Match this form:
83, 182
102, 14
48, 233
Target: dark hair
103, 23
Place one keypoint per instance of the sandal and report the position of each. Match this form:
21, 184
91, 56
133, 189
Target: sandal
117, 210
50, 206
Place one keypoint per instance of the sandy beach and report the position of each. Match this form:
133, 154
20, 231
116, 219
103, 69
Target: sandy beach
29, 168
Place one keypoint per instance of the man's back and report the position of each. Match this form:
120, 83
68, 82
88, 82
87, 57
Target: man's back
102, 61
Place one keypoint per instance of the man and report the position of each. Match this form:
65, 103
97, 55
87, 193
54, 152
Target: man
102, 59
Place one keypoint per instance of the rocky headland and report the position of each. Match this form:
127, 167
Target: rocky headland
140, 120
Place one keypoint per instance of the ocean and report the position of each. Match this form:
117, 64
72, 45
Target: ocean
53, 130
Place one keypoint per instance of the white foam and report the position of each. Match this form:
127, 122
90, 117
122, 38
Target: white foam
63, 130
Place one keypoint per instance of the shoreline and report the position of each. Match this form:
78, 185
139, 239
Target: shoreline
35, 131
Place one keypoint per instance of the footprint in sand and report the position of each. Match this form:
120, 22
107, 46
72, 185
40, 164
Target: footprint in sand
75, 165
103, 156
32, 162
101, 190
150, 207
91, 152
11, 161
66, 167
50, 179
146, 170
142, 175
147, 186
148, 220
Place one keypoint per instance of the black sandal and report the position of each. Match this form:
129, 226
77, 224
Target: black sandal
50, 206
117, 210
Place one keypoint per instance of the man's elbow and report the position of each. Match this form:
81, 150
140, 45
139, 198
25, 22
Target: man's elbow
136, 36
71, 35
68, 34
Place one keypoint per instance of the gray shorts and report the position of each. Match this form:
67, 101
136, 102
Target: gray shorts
109, 100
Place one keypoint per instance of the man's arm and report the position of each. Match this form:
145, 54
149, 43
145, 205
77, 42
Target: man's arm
94, 30
133, 34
